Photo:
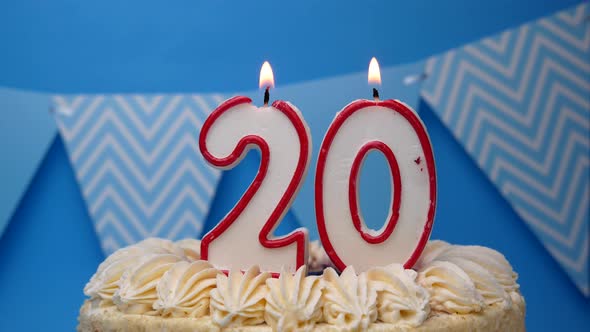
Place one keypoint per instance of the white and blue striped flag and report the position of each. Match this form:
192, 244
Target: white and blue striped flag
137, 160
519, 103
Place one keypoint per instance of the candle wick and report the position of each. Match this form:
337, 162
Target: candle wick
266, 96
375, 94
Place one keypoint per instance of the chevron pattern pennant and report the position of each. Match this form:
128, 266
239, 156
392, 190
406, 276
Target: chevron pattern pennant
519, 103
137, 161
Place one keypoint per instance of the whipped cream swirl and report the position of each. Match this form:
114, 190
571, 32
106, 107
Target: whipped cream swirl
184, 289
348, 299
137, 287
399, 297
191, 248
464, 279
160, 277
451, 289
239, 299
158, 245
105, 282
293, 301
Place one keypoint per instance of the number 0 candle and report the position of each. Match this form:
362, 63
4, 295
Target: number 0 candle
394, 130
244, 237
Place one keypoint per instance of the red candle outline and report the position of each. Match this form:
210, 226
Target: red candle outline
420, 130
298, 236
353, 191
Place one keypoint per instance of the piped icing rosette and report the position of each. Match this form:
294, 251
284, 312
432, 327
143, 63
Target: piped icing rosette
162, 245
464, 279
137, 286
105, 282
400, 300
293, 302
160, 277
184, 290
191, 248
349, 301
451, 289
239, 298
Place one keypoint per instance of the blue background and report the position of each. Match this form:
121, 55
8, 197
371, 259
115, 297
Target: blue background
24, 112
49, 249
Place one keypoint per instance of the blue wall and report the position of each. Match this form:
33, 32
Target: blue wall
49, 250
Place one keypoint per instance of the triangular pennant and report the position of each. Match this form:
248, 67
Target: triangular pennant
137, 160
518, 102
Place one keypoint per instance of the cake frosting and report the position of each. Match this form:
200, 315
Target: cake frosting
349, 300
294, 301
137, 286
464, 279
240, 298
166, 284
184, 290
400, 299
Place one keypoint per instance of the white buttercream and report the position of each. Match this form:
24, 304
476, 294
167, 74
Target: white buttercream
490, 259
400, 299
431, 251
137, 286
293, 301
105, 282
239, 299
453, 273
451, 289
159, 245
485, 283
184, 289
348, 300
191, 248
161, 277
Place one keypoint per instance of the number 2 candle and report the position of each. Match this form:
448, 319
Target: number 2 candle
245, 235
394, 130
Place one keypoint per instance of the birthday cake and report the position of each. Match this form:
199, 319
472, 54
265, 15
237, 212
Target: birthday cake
241, 277
159, 285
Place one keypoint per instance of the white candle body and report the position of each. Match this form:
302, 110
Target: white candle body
373, 123
238, 246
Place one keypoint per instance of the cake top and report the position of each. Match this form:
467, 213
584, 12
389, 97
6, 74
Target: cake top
160, 277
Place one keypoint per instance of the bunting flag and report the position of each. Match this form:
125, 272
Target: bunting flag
138, 164
519, 103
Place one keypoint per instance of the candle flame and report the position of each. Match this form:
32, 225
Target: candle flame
267, 79
374, 73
